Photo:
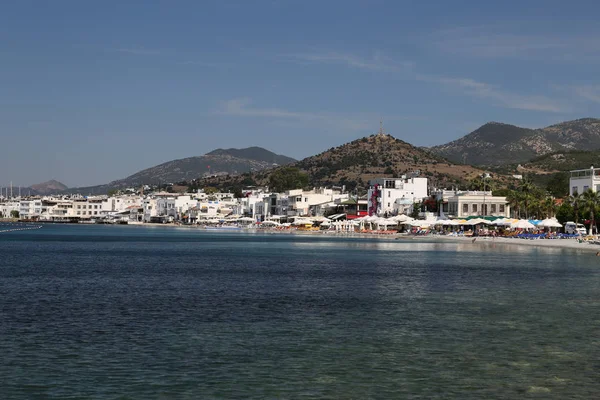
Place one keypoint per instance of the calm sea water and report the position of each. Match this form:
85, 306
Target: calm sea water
137, 312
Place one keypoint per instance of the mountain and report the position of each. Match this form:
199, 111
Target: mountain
354, 164
562, 161
497, 143
253, 153
217, 162
49, 187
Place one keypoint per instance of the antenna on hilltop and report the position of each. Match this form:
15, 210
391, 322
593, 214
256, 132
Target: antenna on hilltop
381, 132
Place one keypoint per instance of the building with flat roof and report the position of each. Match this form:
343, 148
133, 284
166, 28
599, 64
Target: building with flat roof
584, 179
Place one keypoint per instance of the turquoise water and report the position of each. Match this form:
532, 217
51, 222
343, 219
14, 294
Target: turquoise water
136, 312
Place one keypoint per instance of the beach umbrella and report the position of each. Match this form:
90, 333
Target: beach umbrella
302, 221
270, 223
549, 223
522, 224
401, 218
477, 221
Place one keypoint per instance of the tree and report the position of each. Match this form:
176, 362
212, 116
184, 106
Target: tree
210, 190
514, 199
526, 188
14, 214
565, 212
558, 185
415, 210
575, 201
590, 202
287, 178
549, 207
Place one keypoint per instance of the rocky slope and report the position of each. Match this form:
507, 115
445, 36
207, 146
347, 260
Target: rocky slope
496, 143
217, 162
49, 187
354, 164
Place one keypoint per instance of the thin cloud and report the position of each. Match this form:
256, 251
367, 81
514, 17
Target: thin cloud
138, 52
484, 42
379, 62
242, 107
588, 92
501, 97
468, 86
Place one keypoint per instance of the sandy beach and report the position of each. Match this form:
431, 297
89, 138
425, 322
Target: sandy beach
571, 244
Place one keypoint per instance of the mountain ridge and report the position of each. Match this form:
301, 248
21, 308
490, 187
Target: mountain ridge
219, 162
496, 143
354, 163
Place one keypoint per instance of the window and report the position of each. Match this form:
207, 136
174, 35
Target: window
89, 213
78, 212
95, 212
78, 207
95, 207
388, 204
306, 199
502, 208
574, 189
493, 208
465, 209
389, 194
474, 208
585, 188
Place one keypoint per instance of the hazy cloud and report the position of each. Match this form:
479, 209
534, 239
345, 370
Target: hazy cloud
379, 62
138, 52
484, 42
242, 107
495, 93
588, 92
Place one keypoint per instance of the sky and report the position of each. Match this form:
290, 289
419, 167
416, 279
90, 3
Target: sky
91, 92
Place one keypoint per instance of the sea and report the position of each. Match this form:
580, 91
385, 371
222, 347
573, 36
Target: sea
136, 312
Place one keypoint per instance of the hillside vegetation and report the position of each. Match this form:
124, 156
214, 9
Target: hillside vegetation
496, 144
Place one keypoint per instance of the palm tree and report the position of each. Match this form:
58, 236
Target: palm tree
514, 201
575, 201
591, 200
526, 187
549, 207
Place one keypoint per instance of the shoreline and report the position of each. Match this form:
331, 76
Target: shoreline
482, 241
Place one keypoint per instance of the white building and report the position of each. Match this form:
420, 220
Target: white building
390, 195
300, 201
30, 208
8, 207
463, 204
584, 179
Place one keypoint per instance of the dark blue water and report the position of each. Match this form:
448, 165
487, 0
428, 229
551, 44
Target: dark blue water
136, 312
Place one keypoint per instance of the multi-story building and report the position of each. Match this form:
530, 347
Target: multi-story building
6, 208
30, 208
391, 195
300, 202
584, 179
463, 204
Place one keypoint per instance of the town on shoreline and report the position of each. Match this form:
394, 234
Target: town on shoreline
407, 204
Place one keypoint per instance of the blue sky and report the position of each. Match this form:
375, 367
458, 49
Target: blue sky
95, 91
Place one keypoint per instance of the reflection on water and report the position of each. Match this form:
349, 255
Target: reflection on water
103, 312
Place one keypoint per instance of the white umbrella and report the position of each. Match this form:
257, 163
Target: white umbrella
522, 224
401, 218
550, 223
246, 219
477, 221
301, 221
270, 223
